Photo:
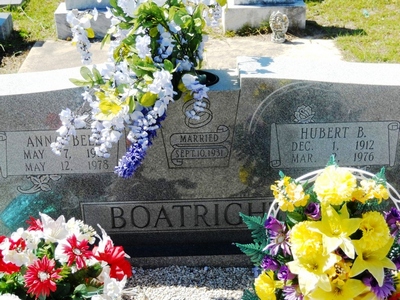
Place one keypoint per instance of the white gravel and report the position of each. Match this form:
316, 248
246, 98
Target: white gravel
184, 283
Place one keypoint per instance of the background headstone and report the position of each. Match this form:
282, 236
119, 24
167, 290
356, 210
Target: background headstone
100, 26
6, 25
254, 13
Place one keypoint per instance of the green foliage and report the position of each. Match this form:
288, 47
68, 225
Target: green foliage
256, 225
91, 78
248, 30
255, 250
247, 295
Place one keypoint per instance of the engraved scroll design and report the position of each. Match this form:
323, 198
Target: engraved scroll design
200, 145
383, 140
40, 183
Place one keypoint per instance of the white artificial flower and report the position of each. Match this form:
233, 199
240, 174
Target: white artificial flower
32, 238
81, 230
9, 297
14, 251
142, 45
128, 7
95, 14
54, 230
112, 288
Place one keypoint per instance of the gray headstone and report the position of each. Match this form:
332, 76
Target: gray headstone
100, 26
6, 25
11, 2
87, 4
186, 197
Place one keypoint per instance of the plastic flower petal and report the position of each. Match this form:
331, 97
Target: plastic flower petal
373, 261
265, 285
53, 230
41, 277
78, 252
335, 185
336, 229
311, 270
348, 291
375, 231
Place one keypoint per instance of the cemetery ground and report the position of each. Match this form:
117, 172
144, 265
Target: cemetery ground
364, 31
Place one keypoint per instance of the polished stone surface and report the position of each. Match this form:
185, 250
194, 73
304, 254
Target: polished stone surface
6, 25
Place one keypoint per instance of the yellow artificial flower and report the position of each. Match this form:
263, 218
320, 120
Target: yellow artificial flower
312, 271
289, 194
375, 230
369, 189
340, 271
305, 241
265, 285
336, 229
373, 261
347, 291
110, 105
368, 295
335, 185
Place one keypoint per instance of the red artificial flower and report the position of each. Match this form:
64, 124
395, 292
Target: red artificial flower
9, 267
34, 224
77, 252
18, 245
41, 276
395, 296
115, 258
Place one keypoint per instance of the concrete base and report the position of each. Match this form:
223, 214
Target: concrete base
100, 26
237, 16
11, 2
6, 25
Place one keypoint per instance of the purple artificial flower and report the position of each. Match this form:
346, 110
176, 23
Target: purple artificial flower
279, 239
396, 261
392, 218
269, 263
284, 274
381, 292
292, 292
313, 211
273, 225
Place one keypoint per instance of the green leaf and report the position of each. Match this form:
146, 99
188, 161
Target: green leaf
247, 295
295, 217
253, 251
153, 32
80, 290
86, 73
97, 76
380, 177
78, 82
256, 225
168, 65
331, 161
148, 99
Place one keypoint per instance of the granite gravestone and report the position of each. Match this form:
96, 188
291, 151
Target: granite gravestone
99, 26
186, 198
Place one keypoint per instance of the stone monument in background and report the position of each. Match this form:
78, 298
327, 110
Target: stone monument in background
100, 26
239, 13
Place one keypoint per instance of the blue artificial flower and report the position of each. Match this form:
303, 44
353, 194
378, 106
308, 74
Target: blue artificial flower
132, 159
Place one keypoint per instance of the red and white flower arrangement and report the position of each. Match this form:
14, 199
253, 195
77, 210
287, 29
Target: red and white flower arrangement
59, 259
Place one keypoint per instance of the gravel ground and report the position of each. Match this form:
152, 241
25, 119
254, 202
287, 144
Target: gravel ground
184, 283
